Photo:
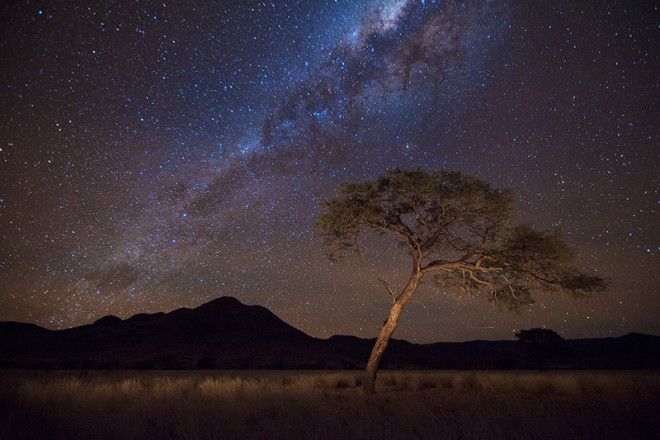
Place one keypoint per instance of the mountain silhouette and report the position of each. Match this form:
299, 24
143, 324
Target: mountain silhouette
227, 334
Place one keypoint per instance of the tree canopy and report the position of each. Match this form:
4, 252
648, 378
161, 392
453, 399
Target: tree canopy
461, 229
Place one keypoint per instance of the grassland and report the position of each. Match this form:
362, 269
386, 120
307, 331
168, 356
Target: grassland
329, 405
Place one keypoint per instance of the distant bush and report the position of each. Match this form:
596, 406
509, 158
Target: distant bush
542, 336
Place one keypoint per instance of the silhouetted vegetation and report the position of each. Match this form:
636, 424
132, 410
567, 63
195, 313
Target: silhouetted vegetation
543, 344
539, 336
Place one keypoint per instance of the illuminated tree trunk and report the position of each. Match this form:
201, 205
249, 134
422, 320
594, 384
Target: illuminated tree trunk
387, 330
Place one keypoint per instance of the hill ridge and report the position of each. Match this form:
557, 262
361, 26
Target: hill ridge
226, 333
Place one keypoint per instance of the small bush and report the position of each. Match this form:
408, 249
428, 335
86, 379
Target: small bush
470, 383
424, 384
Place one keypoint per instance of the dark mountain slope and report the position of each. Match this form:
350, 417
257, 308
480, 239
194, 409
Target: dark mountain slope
225, 333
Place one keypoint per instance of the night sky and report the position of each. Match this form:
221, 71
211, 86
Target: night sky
156, 155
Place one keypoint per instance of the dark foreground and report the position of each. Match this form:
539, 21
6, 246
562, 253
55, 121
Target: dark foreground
329, 405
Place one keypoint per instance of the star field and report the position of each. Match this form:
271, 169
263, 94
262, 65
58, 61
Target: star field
156, 155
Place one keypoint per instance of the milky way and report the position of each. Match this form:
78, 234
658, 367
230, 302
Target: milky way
156, 155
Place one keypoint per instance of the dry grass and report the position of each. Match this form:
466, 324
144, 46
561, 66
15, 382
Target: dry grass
320, 405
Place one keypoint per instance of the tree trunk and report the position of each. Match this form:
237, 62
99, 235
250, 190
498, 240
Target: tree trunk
387, 330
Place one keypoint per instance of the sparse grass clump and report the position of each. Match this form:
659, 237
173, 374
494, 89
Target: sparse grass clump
329, 405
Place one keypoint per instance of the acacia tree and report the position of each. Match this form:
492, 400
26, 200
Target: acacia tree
459, 231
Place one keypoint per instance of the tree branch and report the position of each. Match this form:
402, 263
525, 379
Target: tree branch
444, 264
388, 288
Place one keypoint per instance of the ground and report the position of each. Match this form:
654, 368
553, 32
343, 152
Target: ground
329, 405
